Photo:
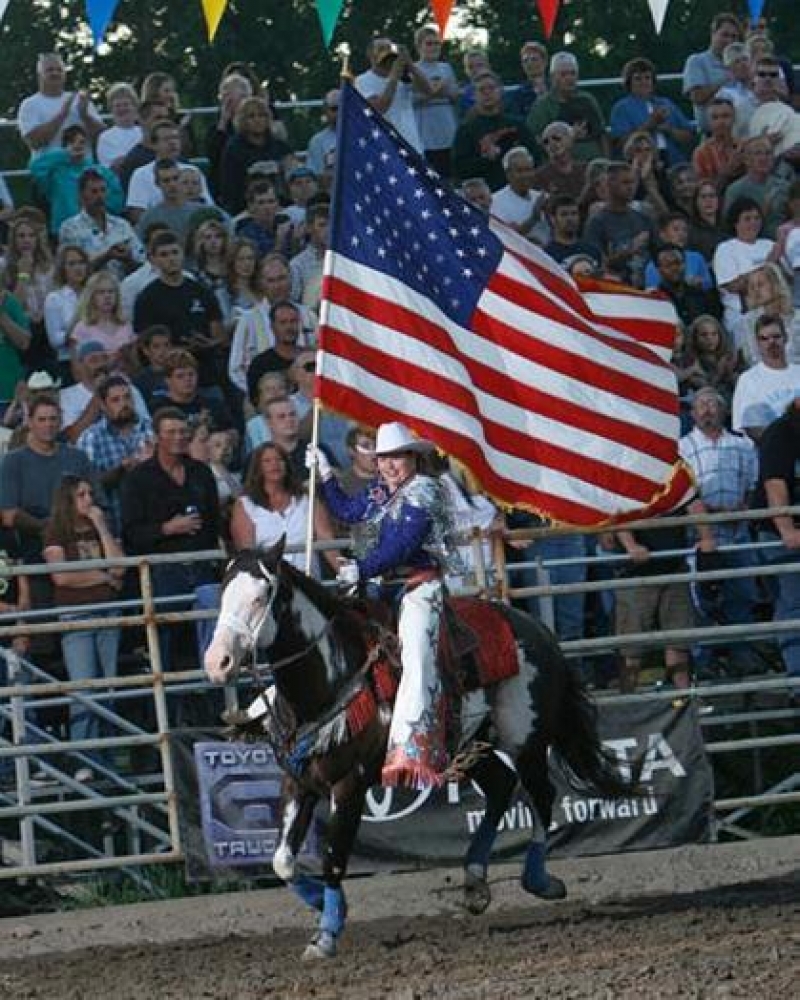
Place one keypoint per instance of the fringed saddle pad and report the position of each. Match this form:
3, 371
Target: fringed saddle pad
494, 657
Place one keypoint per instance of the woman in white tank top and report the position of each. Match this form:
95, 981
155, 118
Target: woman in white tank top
273, 504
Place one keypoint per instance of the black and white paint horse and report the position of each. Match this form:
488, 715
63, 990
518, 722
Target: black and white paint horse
322, 650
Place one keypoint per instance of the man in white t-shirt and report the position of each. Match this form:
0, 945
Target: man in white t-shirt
389, 87
143, 192
519, 203
43, 116
764, 391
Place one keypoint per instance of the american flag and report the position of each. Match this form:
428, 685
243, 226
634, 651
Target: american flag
557, 400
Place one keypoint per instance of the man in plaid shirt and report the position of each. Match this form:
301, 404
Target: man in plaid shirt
116, 442
725, 466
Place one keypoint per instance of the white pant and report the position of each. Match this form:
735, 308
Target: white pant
416, 754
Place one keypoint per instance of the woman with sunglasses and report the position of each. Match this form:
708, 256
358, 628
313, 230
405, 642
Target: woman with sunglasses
77, 531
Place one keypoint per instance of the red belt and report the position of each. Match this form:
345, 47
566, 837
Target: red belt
420, 576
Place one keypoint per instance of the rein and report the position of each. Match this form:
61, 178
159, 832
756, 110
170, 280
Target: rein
236, 624
286, 661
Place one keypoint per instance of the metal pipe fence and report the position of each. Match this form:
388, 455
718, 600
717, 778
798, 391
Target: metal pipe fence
46, 804
297, 107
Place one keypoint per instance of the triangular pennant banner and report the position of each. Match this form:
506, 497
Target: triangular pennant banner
658, 8
213, 10
755, 7
441, 13
3, 9
100, 14
329, 11
548, 11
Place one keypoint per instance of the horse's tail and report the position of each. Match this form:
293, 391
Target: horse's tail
578, 743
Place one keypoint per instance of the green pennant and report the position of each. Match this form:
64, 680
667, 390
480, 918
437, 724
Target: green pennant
329, 11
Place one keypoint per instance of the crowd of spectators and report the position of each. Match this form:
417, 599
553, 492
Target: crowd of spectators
158, 321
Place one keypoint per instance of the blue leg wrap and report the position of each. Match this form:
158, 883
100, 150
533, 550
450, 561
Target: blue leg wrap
311, 890
534, 874
334, 911
480, 847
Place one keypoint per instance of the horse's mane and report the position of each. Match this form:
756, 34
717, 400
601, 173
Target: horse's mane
328, 602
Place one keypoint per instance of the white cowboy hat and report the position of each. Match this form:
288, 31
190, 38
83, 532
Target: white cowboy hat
42, 380
397, 437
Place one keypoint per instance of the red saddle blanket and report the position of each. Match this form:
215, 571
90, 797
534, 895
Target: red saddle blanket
477, 644
494, 652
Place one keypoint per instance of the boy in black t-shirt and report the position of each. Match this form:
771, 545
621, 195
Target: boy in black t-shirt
188, 309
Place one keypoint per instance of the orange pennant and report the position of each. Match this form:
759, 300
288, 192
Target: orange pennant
441, 13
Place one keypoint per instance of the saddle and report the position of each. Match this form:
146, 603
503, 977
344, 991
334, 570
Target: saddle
477, 646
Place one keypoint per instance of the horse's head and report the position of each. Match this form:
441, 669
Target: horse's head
248, 615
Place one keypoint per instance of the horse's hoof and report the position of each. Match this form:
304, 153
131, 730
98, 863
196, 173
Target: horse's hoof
477, 894
323, 946
553, 889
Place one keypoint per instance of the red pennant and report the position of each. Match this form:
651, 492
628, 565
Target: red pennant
548, 11
441, 13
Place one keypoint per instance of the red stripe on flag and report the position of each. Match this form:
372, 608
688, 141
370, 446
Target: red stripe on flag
648, 327
525, 295
346, 399
582, 369
494, 331
504, 438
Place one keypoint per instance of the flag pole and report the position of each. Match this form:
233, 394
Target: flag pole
343, 51
312, 486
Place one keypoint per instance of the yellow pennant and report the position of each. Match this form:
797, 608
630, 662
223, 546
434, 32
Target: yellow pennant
213, 10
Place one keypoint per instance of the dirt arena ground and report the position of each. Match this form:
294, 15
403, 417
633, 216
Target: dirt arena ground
702, 922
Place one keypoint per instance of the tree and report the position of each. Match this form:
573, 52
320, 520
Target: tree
284, 42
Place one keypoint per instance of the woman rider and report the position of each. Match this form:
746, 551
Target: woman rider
404, 538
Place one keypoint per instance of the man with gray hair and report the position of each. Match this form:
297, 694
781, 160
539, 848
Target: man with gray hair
725, 467
477, 192
565, 102
43, 116
519, 204
562, 174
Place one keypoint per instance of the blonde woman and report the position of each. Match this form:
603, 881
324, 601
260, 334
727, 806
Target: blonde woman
242, 276
767, 293
271, 385
125, 131
100, 319
73, 268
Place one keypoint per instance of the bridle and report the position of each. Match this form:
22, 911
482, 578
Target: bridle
250, 634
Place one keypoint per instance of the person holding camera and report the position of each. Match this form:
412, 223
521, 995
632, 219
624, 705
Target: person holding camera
389, 86
108, 239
